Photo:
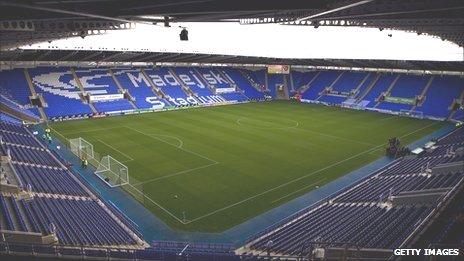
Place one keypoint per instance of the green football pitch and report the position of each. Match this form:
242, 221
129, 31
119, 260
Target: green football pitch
208, 169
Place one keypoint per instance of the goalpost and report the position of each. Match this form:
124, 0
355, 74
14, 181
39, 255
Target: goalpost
110, 170
113, 172
82, 148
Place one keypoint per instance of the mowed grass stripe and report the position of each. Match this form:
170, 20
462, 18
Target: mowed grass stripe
164, 158
252, 159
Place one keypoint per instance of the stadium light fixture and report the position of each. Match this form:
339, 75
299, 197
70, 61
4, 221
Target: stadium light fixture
183, 34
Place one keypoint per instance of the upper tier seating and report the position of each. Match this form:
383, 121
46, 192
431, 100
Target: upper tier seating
60, 91
243, 84
138, 86
257, 76
301, 79
214, 77
408, 86
348, 81
193, 81
100, 82
367, 82
13, 85
440, 96
163, 79
97, 81
323, 80
380, 86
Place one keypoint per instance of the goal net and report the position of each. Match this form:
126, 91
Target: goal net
113, 172
108, 169
409, 113
82, 148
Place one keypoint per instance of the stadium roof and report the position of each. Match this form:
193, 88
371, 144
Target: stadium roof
135, 58
26, 21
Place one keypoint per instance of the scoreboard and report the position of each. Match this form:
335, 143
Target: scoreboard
278, 69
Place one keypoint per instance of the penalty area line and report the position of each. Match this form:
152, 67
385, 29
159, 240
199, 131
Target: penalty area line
158, 205
92, 130
181, 143
113, 148
177, 147
177, 173
302, 177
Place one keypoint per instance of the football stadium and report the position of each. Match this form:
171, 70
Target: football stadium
220, 130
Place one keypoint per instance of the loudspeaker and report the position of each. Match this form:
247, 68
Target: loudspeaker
184, 35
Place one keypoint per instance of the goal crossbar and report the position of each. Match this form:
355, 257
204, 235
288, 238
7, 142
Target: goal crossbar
108, 169
113, 172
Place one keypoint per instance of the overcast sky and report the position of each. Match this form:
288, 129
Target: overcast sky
273, 40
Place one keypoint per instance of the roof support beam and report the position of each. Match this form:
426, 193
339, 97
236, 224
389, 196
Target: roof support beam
335, 10
62, 11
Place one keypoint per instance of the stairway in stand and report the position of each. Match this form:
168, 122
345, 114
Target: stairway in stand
125, 92
43, 116
423, 94
81, 87
305, 87
184, 86
369, 88
388, 90
332, 84
156, 90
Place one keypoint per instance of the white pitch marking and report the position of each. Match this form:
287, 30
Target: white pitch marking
296, 124
335, 137
177, 173
181, 148
181, 143
61, 135
158, 205
122, 153
302, 177
85, 131
296, 191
